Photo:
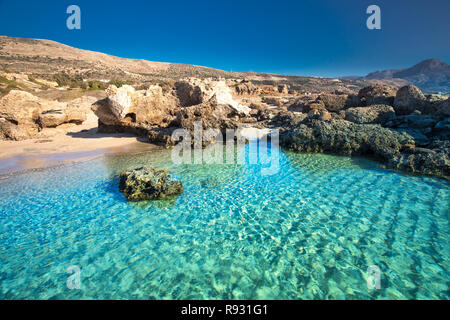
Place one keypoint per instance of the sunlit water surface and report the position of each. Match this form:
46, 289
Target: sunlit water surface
308, 232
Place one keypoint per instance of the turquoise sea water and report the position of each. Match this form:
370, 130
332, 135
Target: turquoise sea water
308, 232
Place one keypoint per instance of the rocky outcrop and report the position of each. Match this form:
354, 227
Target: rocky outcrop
212, 113
377, 94
345, 138
408, 99
422, 161
333, 102
283, 89
148, 183
156, 112
275, 101
376, 114
320, 114
25, 115
245, 87
397, 150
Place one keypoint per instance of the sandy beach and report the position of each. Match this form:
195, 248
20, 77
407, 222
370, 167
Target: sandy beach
73, 143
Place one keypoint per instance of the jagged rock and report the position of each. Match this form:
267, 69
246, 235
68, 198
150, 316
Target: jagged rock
345, 138
148, 183
11, 131
408, 99
414, 120
120, 100
377, 94
376, 114
246, 88
297, 104
212, 113
395, 149
196, 91
313, 106
321, 114
261, 111
25, 114
151, 111
287, 119
283, 89
422, 161
333, 102
443, 125
443, 109
275, 101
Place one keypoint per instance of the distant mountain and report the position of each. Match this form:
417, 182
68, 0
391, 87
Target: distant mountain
431, 75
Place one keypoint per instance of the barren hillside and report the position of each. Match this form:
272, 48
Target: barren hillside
49, 60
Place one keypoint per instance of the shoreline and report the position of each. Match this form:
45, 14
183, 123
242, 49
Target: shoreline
20, 156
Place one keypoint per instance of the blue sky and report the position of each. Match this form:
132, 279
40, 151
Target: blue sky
310, 37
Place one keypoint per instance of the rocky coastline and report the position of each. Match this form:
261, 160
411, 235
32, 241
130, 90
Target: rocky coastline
402, 128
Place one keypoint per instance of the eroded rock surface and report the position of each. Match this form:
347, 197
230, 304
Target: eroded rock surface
148, 183
24, 116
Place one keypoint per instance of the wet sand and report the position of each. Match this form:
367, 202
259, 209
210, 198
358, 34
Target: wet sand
16, 156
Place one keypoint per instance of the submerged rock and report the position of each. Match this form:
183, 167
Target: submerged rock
148, 183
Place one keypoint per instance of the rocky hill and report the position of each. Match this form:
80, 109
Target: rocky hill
431, 75
52, 61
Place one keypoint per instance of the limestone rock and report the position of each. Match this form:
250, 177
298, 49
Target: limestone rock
148, 183
120, 100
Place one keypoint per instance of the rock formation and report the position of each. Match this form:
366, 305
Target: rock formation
376, 114
155, 113
148, 183
377, 94
24, 116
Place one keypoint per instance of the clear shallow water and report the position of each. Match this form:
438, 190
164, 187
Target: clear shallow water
309, 232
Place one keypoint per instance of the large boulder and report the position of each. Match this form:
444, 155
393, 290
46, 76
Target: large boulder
377, 94
120, 100
129, 108
55, 117
376, 114
22, 108
443, 109
333, 102
148, 183
408, 99
25, 115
